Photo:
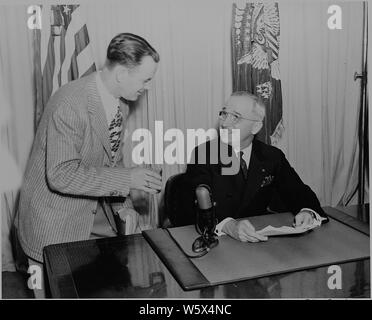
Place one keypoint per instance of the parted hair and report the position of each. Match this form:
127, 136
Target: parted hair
129, 49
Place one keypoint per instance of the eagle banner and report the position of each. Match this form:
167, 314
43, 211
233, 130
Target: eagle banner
62, 52
255, 36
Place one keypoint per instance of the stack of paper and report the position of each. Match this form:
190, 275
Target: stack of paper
284, 230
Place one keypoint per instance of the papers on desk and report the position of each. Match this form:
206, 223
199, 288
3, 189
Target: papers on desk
284, 230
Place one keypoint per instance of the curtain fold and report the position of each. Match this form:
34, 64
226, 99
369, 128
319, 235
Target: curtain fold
17, 104
320, 98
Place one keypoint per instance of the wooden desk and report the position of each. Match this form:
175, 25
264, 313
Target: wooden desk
361, 213
127, 267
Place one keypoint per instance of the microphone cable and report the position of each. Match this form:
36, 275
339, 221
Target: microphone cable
202, 254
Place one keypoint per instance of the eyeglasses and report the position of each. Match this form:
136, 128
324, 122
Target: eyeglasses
235, 118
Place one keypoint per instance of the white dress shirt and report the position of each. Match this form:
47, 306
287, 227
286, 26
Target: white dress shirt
110, 103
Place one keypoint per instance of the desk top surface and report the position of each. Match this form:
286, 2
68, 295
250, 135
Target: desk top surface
127, 267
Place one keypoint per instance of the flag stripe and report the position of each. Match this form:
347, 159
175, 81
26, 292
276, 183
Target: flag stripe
81, 39
45, 33
57, 63
272, 41
48, 72
84, 59
273, 44
73, 71
74, 26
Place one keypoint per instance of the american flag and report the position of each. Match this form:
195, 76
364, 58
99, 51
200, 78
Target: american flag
62, 52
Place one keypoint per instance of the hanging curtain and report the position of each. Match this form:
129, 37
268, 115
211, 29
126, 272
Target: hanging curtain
255, 36
10, 178
320, 97
363, 178
16, 115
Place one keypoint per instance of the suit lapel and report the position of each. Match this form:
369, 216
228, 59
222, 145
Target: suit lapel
97, 115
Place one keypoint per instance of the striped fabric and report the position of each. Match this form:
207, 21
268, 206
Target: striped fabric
64, 53
69, 169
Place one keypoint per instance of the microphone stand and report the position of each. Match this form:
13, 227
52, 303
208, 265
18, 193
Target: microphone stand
205, 225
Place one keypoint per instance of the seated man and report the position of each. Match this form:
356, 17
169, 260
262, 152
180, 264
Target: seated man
264, 174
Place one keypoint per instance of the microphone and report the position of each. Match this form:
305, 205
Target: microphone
203, 196
206, 220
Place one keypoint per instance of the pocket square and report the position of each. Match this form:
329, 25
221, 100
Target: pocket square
267, 180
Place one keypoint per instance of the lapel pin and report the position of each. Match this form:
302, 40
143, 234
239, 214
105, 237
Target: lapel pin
267, 180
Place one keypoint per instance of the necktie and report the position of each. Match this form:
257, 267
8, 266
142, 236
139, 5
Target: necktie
115, 129
243, 165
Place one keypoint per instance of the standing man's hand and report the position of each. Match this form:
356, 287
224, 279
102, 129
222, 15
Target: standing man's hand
243, 231
303, 219
146, 180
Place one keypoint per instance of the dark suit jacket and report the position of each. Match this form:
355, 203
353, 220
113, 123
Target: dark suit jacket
272, 184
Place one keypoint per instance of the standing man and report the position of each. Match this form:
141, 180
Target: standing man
76, 166
264, 176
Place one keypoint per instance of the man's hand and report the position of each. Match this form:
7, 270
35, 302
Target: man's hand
146, 180
303, 219
243, 231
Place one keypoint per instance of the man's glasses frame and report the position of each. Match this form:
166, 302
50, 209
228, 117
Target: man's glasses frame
236, 118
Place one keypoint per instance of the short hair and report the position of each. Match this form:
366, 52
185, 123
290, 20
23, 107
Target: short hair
258, 108
129, 49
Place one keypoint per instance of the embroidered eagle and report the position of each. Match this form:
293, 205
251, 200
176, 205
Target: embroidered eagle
265, 48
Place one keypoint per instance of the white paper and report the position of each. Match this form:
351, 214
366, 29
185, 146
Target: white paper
282, 231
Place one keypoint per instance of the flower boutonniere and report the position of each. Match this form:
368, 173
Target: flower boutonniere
267, 180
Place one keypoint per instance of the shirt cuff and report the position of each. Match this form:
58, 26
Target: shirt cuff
219, 227
317, 218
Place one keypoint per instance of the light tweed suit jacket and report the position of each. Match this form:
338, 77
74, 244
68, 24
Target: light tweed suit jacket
69, 170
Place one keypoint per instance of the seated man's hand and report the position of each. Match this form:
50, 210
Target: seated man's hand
243, 231
303, 219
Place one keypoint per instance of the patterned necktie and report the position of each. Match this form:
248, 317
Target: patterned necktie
243, 165
115, 129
